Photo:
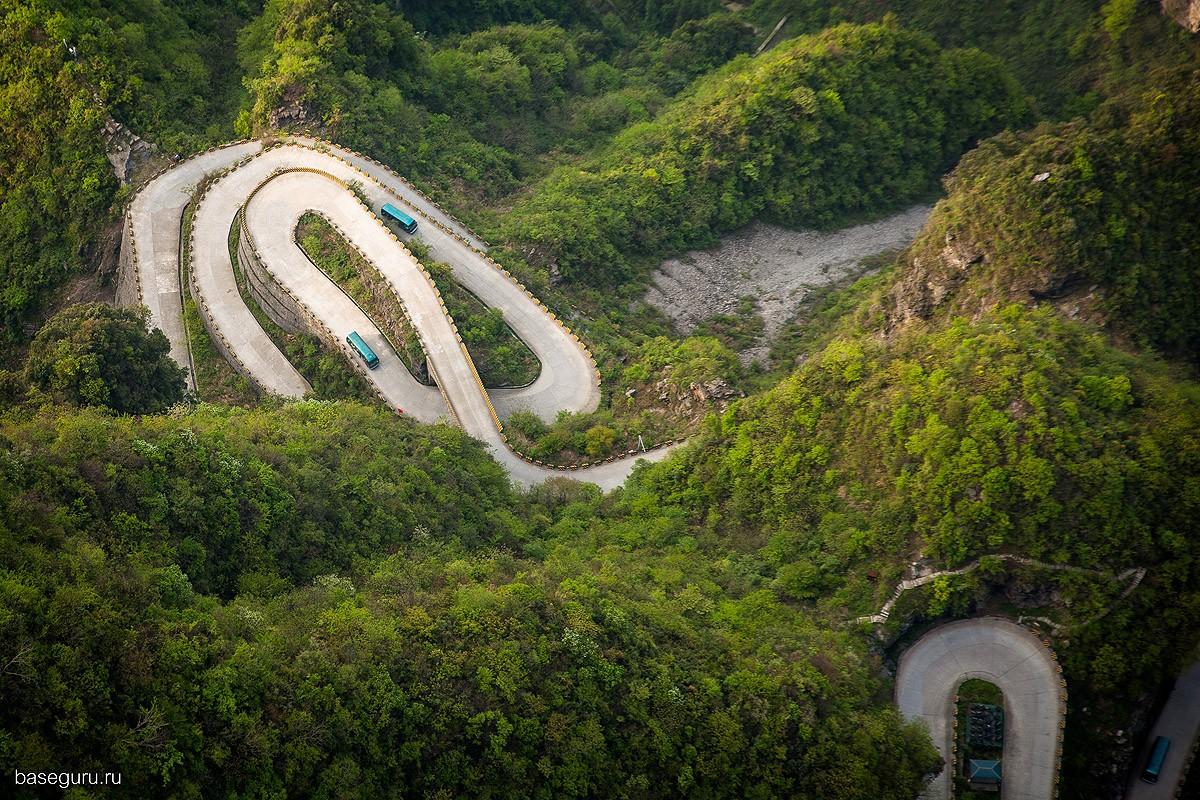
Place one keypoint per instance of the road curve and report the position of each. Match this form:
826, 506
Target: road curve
155, 217
1016, 661
273, 188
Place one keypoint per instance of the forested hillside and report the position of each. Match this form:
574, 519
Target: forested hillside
329, 601
1096, 215
323, 599
856, 119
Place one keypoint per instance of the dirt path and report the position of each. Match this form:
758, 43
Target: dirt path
776, 266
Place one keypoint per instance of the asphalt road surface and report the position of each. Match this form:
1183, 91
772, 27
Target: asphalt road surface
1019, 664
1180, 722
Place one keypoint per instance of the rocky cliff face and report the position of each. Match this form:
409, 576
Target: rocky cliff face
1096, 217
1185, 12
125, 150
948, 271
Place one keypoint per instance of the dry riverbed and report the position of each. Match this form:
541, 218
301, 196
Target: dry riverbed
775, 267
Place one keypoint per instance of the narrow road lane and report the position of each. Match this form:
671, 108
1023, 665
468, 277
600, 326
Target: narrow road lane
1180, 722
155, 216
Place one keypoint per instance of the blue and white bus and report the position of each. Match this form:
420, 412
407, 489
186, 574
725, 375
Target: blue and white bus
391, 212
363, 349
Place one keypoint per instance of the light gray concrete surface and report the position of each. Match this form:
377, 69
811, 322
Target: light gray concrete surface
215, 283
1016, 661
1179, 721
567, 380
271, 217
155, 215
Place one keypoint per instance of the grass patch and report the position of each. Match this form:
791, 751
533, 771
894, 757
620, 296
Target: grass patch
736, 331
216, 379
501, 358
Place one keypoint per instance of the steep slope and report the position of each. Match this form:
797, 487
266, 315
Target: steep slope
1099, 216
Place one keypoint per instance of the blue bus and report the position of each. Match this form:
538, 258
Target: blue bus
1158, 754
391, 212
363, 349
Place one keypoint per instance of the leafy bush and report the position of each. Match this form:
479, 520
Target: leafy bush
97, 355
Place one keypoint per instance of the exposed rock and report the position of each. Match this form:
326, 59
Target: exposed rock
928, 281
696, 400
775, 266
712, 390
1185, 12
103, 253
1025, 595
290, 111
125, 149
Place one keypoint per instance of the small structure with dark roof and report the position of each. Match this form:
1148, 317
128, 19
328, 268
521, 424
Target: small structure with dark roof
983, 774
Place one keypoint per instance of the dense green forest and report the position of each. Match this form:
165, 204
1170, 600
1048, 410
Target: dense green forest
857, 119
320, 599
332, 602
1104, 204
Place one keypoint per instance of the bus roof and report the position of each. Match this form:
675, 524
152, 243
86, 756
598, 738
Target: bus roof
392, 211
361, 344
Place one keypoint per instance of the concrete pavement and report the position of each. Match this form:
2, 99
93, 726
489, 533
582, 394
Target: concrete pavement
1022, 667
568, 378
274, 199
155, 215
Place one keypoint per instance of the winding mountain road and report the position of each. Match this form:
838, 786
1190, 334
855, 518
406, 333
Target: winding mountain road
1022, 667
273, 187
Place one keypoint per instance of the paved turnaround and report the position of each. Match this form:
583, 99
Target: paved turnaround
1022, 667
275, 187
1180, 722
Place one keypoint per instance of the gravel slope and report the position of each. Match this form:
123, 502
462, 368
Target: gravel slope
776, 266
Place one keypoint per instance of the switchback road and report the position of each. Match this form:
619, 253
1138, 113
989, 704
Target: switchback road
269, 189
1013, 659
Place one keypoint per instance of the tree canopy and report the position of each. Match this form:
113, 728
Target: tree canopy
855, 119
97, 355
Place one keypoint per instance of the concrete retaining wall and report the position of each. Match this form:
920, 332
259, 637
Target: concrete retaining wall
274, 302
128, 293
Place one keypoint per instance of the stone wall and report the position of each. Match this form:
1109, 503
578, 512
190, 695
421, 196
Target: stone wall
274, 302
128, 293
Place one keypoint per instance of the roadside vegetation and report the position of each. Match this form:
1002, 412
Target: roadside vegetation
500, 356
319, 598
327, 370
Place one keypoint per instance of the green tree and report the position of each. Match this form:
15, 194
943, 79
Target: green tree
97, 355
